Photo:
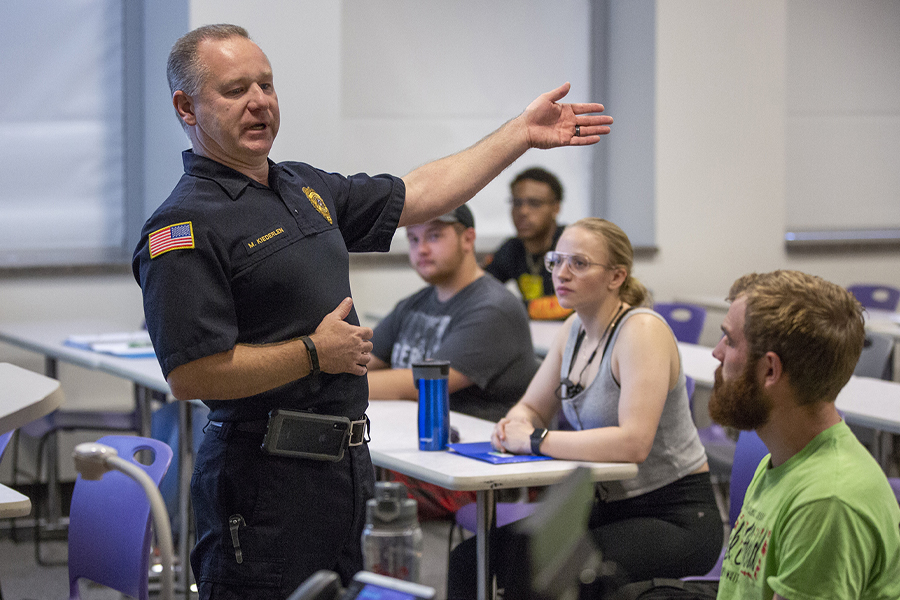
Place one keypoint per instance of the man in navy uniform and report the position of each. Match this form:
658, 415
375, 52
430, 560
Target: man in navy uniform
245, 278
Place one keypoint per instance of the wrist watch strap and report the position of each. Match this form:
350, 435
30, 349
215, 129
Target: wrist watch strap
313, 355
537, 436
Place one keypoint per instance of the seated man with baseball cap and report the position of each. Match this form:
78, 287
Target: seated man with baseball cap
462, 317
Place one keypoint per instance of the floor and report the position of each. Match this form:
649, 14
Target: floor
21, 578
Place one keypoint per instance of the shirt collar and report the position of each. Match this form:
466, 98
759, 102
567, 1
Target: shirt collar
232, 182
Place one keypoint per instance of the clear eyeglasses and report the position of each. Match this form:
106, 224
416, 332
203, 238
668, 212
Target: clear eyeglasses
576, 263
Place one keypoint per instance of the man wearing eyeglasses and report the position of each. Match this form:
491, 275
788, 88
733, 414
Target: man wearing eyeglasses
536, 198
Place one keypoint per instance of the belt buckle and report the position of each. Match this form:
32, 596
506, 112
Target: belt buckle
358, 432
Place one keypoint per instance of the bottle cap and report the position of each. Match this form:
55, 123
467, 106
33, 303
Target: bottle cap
431, 369
391, 507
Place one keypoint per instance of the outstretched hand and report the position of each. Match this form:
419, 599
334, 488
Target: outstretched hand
551, 124
342, 347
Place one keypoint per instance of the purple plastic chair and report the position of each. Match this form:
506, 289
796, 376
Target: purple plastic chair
466, 517
109, 522
895, 485
884, 297
507, 512
4, 440
718, 444
748, 453
46, 429
686, 320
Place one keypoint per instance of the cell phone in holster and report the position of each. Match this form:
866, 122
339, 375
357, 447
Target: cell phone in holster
306, 435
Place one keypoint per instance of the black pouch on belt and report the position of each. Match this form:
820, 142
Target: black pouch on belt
308, 435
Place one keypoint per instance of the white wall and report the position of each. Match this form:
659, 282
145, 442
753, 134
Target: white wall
386, 86
721, 139
720, 156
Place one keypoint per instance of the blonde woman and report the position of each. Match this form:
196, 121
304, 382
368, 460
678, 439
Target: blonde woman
615, 372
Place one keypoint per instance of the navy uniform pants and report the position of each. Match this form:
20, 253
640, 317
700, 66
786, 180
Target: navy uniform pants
266, 523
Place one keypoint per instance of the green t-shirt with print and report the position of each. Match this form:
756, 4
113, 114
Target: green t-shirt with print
825, 524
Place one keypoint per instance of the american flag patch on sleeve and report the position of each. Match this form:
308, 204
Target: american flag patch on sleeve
173, 237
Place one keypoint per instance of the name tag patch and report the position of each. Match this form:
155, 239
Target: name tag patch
254, 244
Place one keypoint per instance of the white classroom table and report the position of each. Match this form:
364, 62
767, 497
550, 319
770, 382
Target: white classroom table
48, 337
395, 446
13, 504
883, 321
24, 397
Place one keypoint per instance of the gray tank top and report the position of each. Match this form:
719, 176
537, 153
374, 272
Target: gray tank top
677, 450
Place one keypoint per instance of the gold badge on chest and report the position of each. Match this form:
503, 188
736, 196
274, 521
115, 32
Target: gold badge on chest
317, 202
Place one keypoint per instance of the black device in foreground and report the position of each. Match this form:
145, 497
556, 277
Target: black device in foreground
552, 551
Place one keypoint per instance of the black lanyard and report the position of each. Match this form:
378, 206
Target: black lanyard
567, 387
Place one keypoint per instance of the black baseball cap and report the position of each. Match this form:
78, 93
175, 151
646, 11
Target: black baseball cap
461, 215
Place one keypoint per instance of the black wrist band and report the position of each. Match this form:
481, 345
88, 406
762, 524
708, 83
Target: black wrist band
537, 436
313, 355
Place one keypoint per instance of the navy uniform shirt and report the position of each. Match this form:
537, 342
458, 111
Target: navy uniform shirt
225, 261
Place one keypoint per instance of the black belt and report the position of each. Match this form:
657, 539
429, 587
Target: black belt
260, 426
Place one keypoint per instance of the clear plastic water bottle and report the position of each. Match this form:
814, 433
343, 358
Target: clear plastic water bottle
392, 539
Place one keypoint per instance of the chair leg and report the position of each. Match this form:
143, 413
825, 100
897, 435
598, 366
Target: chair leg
453, 528
54, 501
721, 494
13, 530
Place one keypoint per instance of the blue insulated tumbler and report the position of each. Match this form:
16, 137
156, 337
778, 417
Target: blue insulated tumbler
434, 403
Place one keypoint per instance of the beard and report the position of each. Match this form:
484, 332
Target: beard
740, 403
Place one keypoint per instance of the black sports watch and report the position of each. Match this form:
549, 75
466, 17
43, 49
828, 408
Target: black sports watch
537, 436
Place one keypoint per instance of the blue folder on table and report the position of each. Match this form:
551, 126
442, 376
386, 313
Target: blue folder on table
484, 451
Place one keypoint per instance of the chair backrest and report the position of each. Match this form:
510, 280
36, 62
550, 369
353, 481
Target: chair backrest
877, 358
164, 426
747, 454
4, 440
109, 522
686, 320
884, 297
895, 486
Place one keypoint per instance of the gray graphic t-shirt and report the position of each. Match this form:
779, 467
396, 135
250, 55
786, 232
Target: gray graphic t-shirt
483, 331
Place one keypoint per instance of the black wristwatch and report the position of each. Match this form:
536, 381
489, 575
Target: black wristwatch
537, 436
313, 355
